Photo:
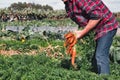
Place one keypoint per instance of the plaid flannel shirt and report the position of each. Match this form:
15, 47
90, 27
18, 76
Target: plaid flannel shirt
81, 11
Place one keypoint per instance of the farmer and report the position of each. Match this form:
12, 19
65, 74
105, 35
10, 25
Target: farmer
94, 15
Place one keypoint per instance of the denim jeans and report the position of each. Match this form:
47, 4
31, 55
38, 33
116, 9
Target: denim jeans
103, 45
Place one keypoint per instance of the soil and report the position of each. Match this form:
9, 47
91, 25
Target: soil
14, 52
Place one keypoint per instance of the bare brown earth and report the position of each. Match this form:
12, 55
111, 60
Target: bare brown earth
14, 52
49, 51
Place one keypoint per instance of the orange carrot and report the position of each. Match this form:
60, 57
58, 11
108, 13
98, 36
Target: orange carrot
71, 40
75, 41
68, 35
73, 57
69, 50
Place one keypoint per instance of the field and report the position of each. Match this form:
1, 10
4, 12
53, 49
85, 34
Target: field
30, 55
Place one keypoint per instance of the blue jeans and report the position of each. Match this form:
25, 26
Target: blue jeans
103, 45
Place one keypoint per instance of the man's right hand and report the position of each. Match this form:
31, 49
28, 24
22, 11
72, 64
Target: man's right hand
78, 34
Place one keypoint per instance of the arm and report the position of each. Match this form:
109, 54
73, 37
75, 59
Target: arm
91, 24
95, 15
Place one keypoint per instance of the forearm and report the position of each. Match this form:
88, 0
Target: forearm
91, 24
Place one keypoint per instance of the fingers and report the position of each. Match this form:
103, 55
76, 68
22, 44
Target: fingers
78, 34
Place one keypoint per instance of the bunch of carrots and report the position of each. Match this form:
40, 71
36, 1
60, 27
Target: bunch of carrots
69, 44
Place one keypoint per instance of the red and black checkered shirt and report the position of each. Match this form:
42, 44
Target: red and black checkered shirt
81, 11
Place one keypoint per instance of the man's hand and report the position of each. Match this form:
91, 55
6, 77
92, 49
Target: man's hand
78, 34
